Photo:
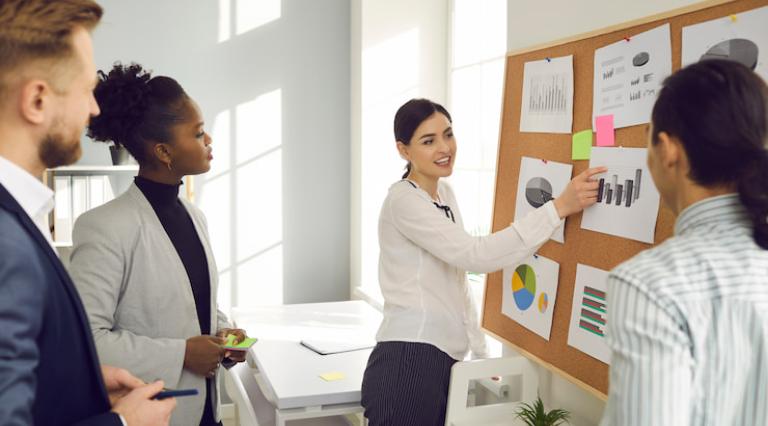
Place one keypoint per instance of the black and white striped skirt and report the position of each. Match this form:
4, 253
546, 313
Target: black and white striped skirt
406, 383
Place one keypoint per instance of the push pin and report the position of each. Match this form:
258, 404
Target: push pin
627, 39
548, 60
545, 161
734, 18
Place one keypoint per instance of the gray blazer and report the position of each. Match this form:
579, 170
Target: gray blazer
138, 296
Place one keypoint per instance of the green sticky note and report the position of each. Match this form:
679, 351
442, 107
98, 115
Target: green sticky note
245, 344
582, 145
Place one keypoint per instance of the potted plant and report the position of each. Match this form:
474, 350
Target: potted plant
120, 155
535, 415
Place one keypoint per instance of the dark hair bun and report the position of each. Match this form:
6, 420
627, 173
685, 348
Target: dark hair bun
123, 97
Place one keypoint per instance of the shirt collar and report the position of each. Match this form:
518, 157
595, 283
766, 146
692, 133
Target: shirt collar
424, 193
34, 197
719, 209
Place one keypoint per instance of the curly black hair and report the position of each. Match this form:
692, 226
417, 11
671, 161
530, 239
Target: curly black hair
136, 108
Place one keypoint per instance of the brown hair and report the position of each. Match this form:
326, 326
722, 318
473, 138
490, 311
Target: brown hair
40, 30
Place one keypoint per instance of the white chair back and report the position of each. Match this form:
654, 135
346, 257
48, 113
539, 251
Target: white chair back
462, 373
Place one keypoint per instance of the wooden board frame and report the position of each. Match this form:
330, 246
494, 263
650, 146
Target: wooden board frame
581, 246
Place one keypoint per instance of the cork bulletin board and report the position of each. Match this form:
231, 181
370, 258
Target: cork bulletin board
598, 250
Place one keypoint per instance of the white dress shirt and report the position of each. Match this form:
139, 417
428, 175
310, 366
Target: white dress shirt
688, 325
35, 198
423, 261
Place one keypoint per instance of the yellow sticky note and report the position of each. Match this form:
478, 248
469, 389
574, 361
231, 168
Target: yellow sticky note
582, 145
332, 376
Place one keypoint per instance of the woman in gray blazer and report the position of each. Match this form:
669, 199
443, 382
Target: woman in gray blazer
142, 262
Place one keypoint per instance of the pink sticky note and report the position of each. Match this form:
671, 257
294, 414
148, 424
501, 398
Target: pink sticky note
604, 124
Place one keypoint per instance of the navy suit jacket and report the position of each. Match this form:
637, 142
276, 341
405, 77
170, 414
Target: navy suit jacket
49, 369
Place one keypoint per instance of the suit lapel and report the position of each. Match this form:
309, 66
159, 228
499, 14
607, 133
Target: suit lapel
9, 203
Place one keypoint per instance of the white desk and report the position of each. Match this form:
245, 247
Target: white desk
290, 373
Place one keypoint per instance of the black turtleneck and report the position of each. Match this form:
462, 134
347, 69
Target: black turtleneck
181, 230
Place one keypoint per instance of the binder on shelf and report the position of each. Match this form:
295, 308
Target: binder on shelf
79, 196
99, 190
62, 217
74, 195
95, 191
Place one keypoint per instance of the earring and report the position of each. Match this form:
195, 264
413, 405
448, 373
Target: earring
170, 169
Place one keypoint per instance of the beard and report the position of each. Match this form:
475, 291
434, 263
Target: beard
57, 149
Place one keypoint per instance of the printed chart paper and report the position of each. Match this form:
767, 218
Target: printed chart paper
628, 75
529, 293
538, 183
589, 313
547, 104
627, 200
742, 37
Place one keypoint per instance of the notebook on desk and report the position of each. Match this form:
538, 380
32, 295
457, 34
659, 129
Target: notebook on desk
327, 347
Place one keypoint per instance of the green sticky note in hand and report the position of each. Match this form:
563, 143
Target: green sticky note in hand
582, 145
242, 346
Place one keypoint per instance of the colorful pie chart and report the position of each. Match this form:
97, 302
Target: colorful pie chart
543, 302
524, 286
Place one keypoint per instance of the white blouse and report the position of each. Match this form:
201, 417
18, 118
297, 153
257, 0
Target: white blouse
423, 262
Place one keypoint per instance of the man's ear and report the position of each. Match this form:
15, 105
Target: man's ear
35, 100
670, 151
403, 150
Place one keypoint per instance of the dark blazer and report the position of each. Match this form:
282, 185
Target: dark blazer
49, 370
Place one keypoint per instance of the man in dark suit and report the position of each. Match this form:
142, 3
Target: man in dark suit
49, 369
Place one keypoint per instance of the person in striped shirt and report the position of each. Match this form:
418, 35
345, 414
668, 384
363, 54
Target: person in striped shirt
688, 320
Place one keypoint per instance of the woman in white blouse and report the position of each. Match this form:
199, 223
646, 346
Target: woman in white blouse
430, 320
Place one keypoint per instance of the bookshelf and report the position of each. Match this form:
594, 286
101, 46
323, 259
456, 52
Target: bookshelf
95, 169
78, 188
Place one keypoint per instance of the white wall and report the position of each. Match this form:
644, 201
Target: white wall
272, 80
532, 23
399, 50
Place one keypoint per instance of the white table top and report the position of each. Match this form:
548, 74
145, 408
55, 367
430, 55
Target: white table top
292, 371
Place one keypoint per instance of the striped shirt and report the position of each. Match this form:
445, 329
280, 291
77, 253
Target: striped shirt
688, 325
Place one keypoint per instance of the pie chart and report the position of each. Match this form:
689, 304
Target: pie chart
543, 302
538, 191
739, 50
524, 286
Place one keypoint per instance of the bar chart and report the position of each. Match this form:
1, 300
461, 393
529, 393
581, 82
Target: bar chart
593, 311
589, 313
549, 94
611, 192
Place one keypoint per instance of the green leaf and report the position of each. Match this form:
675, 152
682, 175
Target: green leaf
536, 415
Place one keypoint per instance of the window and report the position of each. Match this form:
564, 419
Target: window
477, 49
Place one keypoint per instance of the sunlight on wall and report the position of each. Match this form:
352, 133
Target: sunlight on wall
242, 198
248, 15
390, 75
259, 126
225, 19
